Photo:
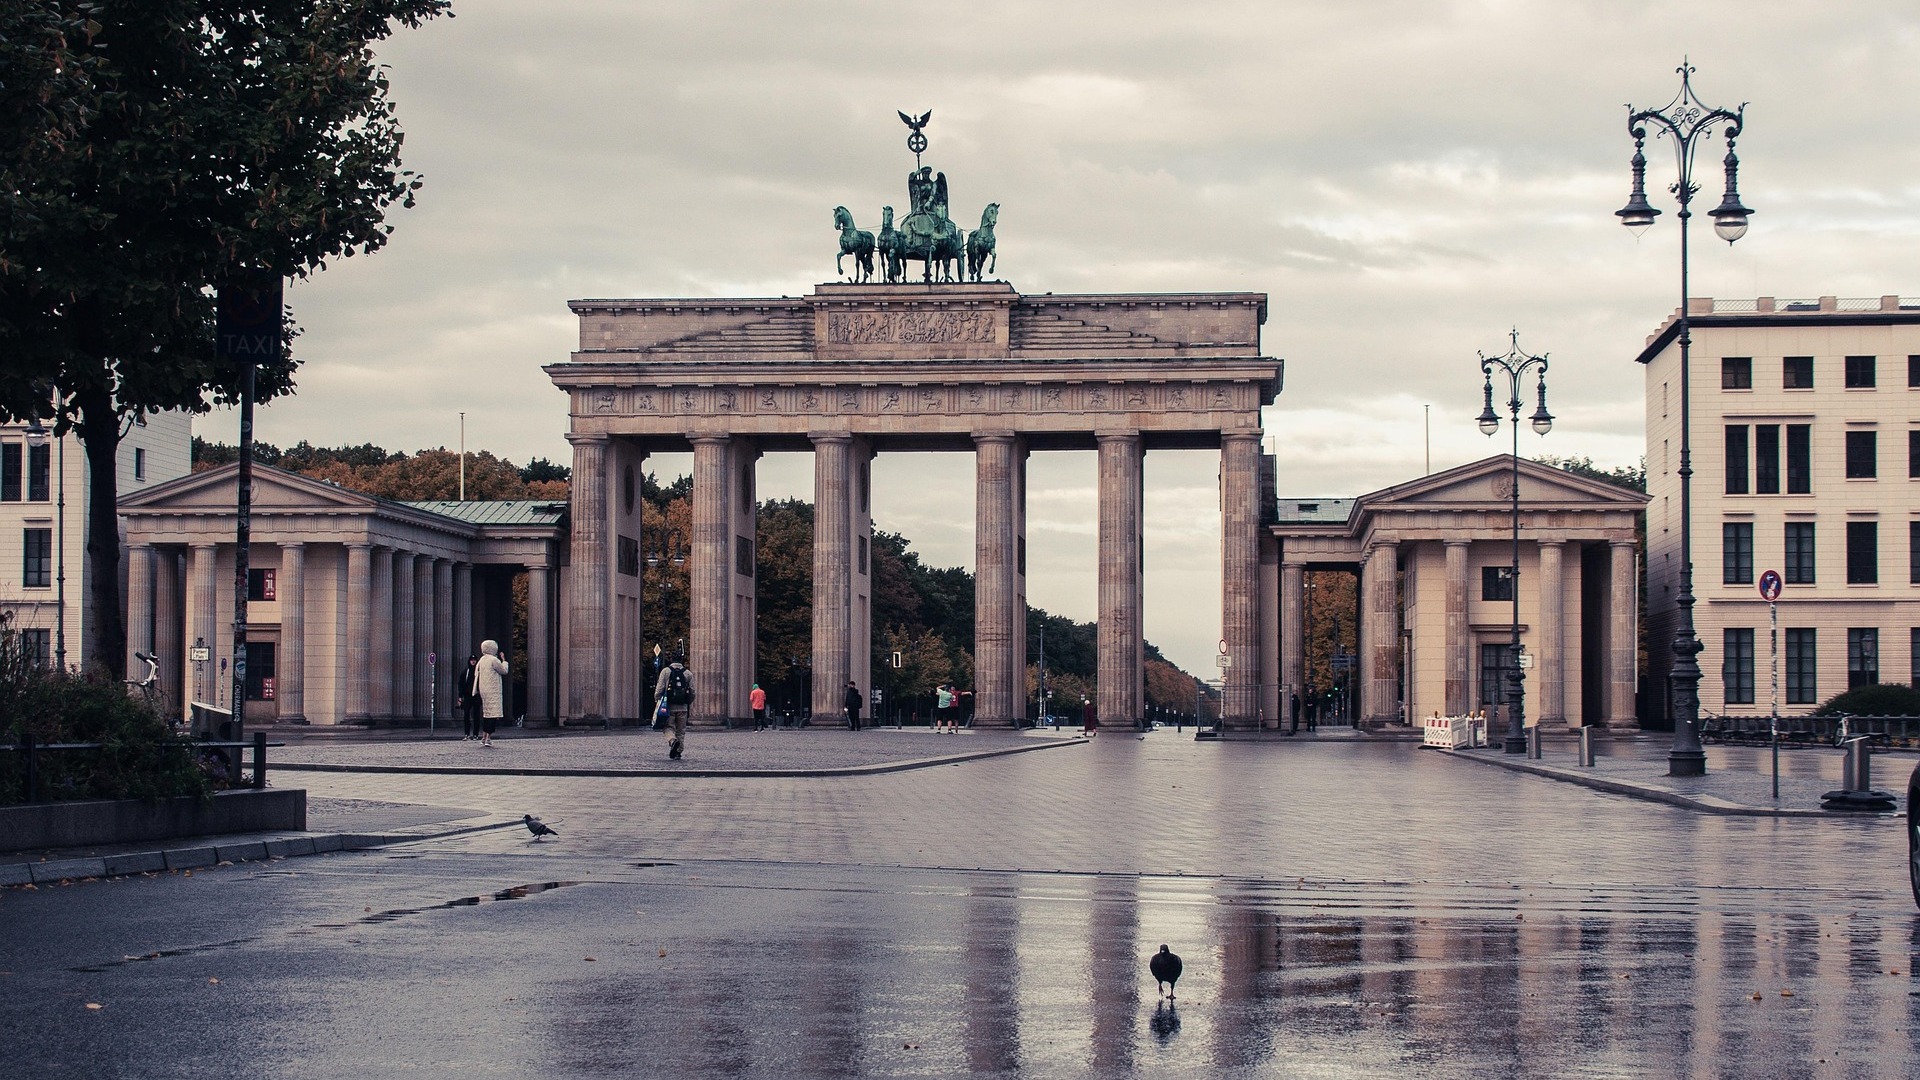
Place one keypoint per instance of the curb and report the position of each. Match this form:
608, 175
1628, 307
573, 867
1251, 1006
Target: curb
1704, 804
842, 770
197, 852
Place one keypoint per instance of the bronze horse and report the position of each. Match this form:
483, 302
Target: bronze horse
980, 243
855, 242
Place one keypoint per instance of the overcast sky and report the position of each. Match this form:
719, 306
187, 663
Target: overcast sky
1406, 179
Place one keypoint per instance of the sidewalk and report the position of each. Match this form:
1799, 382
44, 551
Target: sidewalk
1738, 781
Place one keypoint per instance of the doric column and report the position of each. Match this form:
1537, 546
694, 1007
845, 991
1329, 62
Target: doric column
380, 635
1121, 673
1459, 648
290, 682
169, 633
1622, 650
995, 565
1293, 635
589, 574
452, 661
1380, 637
140, 588
1273, 702
1552, 707
359, 672
204, 618
1240, 572
407, 660
466, 642
539, 644
710, 573
832, 572
421, 641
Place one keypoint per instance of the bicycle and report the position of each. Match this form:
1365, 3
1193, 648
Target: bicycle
149, 688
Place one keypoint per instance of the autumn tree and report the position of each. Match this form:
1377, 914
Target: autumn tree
155, 150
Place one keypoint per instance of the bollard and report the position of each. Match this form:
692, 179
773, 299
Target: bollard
1856, 782
1586, 746
1533, 742
259, 760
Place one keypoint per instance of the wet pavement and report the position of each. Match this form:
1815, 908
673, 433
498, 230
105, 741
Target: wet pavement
1345, 909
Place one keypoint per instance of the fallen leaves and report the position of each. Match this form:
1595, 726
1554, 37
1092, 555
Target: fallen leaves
94, 1005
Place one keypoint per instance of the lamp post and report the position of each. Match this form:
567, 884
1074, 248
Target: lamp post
37, 436
1515, 364
1688, 121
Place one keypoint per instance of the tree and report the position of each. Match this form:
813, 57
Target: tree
155, 150
1631, 477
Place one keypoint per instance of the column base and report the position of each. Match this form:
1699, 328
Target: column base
1687, 763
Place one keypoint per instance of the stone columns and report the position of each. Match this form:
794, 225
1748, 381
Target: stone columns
452, 661
1380, 634
1122, 644
465, 642
743, 527
169, 634
710, 572
204, 617
1622, 650
290, 683
421, 642
590, 592
140, 589
407, 660
832, 573
998, 620
1273, 699
1552, 705
1459, 647
380, 636
1293, 635
359, 671
1240, 499
539, 647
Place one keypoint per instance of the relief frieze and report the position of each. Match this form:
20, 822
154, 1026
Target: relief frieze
979, 399
910, 327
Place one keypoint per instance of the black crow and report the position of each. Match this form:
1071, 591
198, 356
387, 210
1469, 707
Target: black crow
539, 829
1165, 966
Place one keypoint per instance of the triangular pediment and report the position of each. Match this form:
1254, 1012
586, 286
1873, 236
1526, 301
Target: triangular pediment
1488, 483
273, 489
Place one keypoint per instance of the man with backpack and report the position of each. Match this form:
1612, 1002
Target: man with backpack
676, 689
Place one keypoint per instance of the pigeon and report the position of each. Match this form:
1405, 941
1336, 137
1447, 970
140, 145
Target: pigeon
1165, 966
539, 829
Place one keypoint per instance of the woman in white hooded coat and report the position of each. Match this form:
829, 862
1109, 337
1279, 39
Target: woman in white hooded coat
490, 680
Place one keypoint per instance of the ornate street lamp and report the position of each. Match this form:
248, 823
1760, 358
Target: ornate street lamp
1688, 121
1515, 364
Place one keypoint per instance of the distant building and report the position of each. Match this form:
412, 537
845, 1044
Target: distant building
45, 581
1806, 461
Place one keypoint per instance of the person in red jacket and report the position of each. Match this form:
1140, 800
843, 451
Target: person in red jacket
757, 701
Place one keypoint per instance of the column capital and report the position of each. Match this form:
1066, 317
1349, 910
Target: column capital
292, 545
1129, 435
588, 438
1253, 437
203, 545
1551, 543
709, 438
361, 545
995, 437
1623, 543
830, 437
1293, 564
1453, 543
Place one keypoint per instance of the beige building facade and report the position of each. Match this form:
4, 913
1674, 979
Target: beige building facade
1435, 611
852, 371
360, 610
1805, 442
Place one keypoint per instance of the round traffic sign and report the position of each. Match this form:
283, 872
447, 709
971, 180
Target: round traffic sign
1770, 586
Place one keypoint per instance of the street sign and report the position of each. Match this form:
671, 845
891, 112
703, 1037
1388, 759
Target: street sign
1770, 586
1526, 661
1223, 661
199, 654
897, 658
1343, 661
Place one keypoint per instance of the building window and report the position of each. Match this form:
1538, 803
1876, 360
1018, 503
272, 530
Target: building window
1799, 568
1736, 459
1496, 583
1495, 662
1913, 552
36, 647
139, 463
36, 568
261, 664
1766, 459
1796, 372
1913, 371
1736, 373
1913, 651
1802, 657
1863, 656
1799, 459
1859, 373
1736, 665
263, 584
1913, 455
10, 472
743, 554
1861, 451
1863, 552
39, 473
1736, 553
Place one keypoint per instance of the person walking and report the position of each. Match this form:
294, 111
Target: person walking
1089, 718
676, 689
854, 702
466, 697
490, 684
757, 701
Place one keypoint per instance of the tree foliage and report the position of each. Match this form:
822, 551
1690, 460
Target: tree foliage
154, 150
1631, 477
420, 477
1880, 699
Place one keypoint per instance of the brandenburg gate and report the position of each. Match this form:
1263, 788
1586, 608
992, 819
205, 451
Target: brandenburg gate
855, 370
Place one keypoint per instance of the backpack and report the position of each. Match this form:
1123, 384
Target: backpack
679, 687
